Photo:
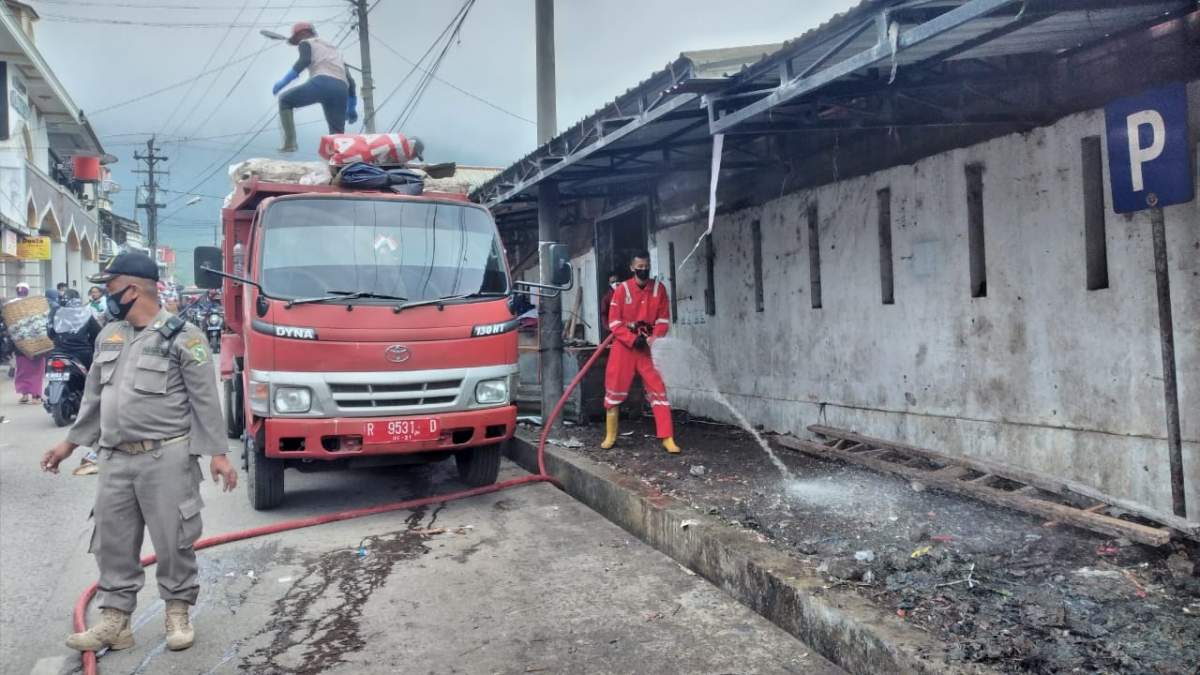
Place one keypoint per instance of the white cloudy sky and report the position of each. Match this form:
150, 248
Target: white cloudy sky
107, 52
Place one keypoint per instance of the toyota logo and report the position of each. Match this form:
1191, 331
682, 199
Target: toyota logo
397, 353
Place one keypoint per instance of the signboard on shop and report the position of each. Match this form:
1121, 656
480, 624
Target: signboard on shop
34, 248
8, 243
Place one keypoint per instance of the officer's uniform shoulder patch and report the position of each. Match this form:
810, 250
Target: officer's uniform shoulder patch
197, 346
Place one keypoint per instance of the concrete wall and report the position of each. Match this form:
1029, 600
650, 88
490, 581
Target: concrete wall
1042, 373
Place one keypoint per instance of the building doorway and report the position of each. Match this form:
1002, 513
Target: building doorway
620, 233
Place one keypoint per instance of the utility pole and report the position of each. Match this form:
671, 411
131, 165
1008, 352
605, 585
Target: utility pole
550, 327
364, 50
151, 158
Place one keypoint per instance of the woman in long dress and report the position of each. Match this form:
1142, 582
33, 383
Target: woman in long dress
29, 371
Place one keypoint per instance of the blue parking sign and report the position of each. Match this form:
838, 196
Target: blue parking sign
1148, 158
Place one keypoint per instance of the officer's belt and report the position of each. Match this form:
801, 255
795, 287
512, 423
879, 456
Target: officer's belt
140, 447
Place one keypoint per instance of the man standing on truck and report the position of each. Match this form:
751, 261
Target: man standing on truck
329, 83
150, 404
638, 314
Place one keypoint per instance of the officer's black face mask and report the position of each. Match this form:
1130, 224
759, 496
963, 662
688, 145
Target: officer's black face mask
117, 309
642, 274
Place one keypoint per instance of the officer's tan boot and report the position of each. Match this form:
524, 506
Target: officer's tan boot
611, 419
180, 634
112, 631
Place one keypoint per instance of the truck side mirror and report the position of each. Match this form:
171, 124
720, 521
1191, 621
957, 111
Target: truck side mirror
560, 263
207, 258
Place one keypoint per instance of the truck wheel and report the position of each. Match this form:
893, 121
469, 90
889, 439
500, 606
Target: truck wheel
235, 415
479, 466
264, 477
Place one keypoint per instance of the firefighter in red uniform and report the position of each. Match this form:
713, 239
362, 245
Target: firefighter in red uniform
638, 315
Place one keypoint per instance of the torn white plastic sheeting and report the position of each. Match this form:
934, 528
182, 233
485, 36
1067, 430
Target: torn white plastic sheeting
894, 43
718, 147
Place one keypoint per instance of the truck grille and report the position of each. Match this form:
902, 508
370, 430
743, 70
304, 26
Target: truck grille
395, 396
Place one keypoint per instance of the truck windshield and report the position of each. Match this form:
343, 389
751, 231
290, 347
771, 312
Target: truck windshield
413, 250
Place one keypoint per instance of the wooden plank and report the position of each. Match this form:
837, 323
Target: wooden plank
1188, 528
1152, 536
952, 471
1096, 508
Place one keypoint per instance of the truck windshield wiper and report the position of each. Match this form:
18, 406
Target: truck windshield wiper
448, 299
345, 295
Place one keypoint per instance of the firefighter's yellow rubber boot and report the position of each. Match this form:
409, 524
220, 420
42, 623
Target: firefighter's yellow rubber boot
611, 419
670, 447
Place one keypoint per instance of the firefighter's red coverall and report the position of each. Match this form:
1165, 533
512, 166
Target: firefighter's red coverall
636, 309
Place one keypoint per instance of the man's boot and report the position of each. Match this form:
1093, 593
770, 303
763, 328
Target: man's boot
112, 631
669, 445
611, 420
287, 122
180, 634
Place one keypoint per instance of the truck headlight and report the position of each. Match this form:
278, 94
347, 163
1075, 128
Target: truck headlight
492, 391
293, 399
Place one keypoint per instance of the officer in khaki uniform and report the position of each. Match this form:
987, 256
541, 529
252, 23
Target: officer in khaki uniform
150, 406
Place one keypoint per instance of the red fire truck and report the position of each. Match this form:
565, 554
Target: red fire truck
364, 328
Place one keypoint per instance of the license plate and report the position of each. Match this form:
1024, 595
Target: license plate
58, 377
392, 431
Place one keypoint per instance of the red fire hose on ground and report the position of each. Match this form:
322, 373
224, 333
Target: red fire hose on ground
89, 658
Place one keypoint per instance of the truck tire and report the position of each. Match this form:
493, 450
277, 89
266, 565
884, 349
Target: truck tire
479, 466
235, 414
264, 476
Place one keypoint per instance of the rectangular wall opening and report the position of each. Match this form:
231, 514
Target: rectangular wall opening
977, 257
756, 235
1094, 235
886, 283
814, 256
710, 291
671, 280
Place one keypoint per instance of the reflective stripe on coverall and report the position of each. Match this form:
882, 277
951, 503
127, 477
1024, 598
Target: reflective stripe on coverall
630, 306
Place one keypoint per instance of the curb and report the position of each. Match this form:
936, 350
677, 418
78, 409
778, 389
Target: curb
840, 625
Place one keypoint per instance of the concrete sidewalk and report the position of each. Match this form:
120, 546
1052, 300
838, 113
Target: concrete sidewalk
522, 581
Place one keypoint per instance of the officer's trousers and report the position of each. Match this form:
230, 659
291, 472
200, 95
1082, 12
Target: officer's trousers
157, 491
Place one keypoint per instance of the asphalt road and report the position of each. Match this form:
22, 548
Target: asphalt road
523, 581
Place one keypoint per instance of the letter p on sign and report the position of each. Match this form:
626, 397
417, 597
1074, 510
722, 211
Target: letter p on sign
1148, 150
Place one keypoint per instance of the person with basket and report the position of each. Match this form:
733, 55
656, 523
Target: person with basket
29, 369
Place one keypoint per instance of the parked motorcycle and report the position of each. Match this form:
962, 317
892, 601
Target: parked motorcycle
8, 349
214, 326
65, 377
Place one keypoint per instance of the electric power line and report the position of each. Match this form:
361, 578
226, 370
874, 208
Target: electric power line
452, 85
211, 55
106, 5
423, 84
437, 40
63, 18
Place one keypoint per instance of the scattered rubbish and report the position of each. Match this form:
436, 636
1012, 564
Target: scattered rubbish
362, 549
697, 470
285, 580
535, 420
687, 571
1122, 542
688, 523
917, 486
901, 613
570, 443
1107, 550
942, 538
231, 574
1093, 573
1179, 565
652, 616
430, 531
868, 577
864, 556
924, 550
628, 433
1140, 589
464, 529
250, 574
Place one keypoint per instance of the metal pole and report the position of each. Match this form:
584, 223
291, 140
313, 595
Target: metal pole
364, 50
151, 204
1170, 386
549, 309
546, 111
550, 326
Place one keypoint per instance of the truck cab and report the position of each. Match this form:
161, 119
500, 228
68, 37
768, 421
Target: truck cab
365, 328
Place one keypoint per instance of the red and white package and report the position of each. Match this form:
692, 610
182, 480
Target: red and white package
342, 149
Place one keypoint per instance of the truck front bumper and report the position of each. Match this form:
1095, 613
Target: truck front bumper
335, 438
